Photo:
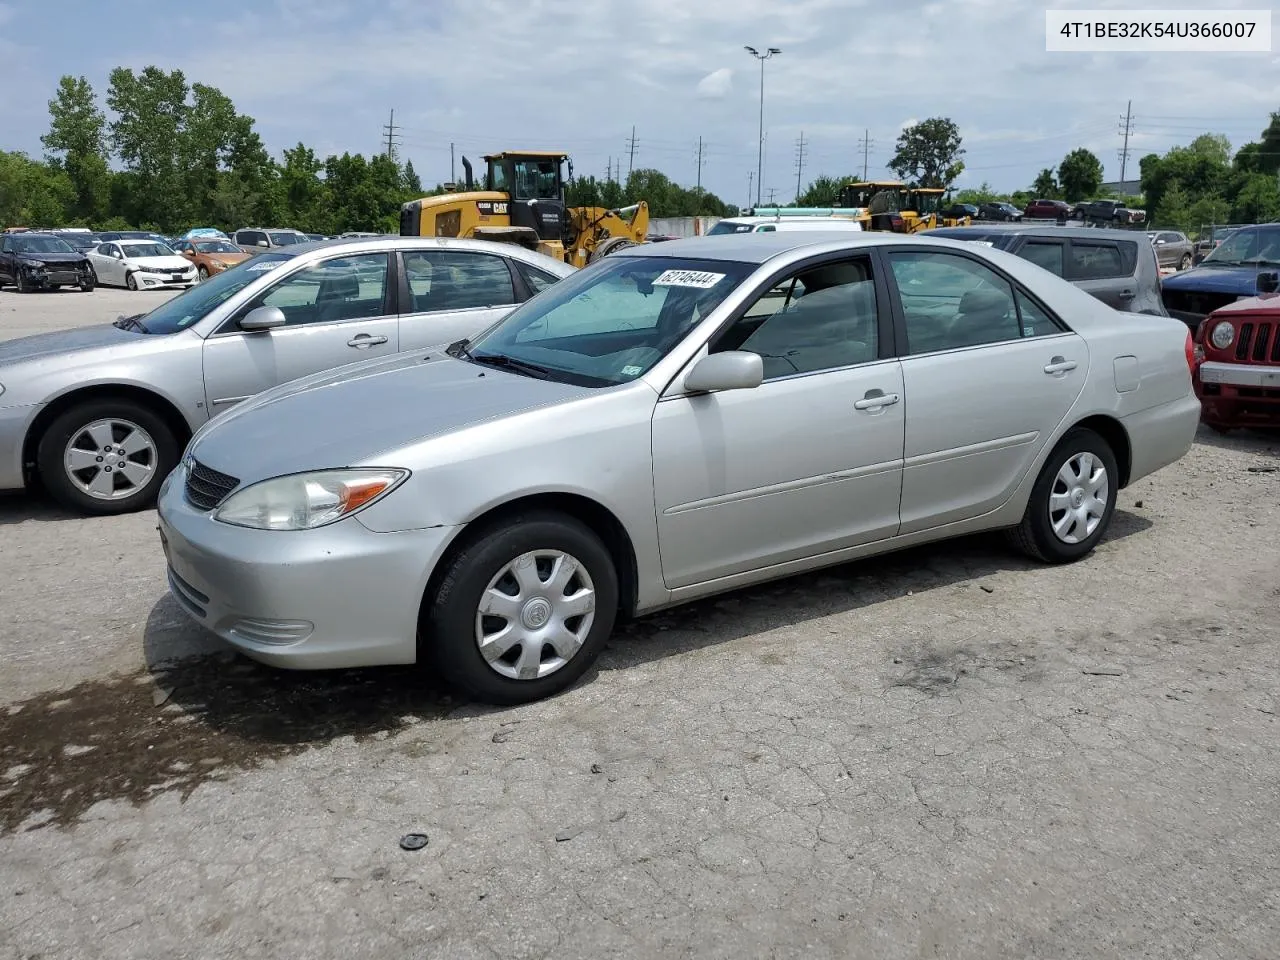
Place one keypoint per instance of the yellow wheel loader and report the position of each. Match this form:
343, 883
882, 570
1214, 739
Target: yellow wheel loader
522, 201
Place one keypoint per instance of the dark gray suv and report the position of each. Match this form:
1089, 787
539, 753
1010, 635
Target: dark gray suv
1116, 266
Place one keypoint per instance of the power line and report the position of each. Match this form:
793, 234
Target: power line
1126, 128
800, 146
393, 138
865, 143
631, 146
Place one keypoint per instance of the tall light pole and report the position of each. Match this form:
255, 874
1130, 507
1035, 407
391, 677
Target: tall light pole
762, 57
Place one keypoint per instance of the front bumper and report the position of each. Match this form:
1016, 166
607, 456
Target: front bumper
62, 277
337, 596
155, 281
1238, 394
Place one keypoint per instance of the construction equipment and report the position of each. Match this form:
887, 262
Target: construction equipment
877, 204
924, 206
522, 201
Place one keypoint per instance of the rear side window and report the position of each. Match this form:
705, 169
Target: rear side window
1102, 260
454, 280
1046, 254
538, 280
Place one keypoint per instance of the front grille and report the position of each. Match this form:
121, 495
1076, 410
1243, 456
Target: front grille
1259, 342
206, 487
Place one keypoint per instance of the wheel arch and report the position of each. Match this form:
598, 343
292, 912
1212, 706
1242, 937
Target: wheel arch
593, 514
1112, 431
163, 406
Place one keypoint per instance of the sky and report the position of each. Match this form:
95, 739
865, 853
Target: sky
547, 74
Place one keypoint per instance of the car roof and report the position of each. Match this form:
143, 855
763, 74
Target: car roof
1046, 229
396, 242
760, 248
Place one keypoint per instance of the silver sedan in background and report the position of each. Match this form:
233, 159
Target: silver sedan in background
674, 421
99, 415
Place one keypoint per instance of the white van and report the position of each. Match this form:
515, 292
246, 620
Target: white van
772, 224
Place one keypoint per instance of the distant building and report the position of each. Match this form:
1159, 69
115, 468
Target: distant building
1123, 188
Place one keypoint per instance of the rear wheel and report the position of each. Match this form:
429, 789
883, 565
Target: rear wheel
523, 609
1072, 501
1185, 262
106, 456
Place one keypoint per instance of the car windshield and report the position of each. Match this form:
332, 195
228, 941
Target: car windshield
187, 308
146, 250
728, 226
40, 245
609, 323
284, 239
1248, 246
216, 246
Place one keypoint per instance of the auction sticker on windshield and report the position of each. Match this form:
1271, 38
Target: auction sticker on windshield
260, 267
688, 278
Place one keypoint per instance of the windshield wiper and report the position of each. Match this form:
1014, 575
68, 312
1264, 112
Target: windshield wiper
1260, 262
460, 349
510, 363
131, 323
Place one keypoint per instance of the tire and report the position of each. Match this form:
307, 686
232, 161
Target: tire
609, 246
54, 286
1185, 262
451, 625
130, 282
1035, 535
88, 286
156, 448
202, 272
21, 283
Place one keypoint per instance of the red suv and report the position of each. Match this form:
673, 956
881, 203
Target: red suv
1237, 369
1046, 210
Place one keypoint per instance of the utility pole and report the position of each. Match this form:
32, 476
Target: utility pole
1126, 128
749, 176
698, 188
865, 143
453, 171
762, 57
772, 191
390, 130
799, 164
631, 146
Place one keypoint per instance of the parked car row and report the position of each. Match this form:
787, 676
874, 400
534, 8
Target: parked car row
1105, 212
589, 444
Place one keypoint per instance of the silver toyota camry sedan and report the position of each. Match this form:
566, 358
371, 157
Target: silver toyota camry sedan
677, 420
99, 415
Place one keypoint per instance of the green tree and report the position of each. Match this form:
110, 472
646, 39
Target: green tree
929, 152
33, 194
1080, 174
412, 182
1174, 211
1269, 148
1046, 185
1258, 200
978, 195
77, 143
150, 108
823, 191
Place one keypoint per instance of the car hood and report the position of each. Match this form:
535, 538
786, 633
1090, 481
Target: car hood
354, 414
1202, 279
62, 342
236, 257
51, 257
164, 263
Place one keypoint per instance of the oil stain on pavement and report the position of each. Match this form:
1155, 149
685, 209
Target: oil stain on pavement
135, 737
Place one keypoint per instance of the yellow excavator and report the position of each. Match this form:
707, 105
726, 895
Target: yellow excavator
522, 201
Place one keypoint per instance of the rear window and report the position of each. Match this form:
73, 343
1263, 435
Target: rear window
727, 226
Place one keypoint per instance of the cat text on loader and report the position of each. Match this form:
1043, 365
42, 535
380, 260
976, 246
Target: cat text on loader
522, 201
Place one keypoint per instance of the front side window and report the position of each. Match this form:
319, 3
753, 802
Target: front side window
821, 318
452, 280
950, 302
609, 323
188, 308
537, 180
345, 288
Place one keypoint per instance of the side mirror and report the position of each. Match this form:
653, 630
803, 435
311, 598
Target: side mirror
263, 318
731, 370
1268, 282
262, 243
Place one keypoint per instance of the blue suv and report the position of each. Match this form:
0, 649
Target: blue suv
1243, 265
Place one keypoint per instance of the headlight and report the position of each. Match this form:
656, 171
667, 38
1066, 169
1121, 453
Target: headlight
218, 263
307, 500
1223, 335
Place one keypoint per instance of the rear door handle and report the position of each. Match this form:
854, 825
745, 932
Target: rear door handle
875, 399
363, 340
1059, 365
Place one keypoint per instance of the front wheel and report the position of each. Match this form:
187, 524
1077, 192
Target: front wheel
106, 456
22, 283
87, 285
1072, 501
523, 610
130, 281
203, 273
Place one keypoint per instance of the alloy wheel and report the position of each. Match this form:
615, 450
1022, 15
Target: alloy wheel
110, 459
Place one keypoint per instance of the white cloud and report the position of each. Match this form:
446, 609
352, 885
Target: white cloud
716, 85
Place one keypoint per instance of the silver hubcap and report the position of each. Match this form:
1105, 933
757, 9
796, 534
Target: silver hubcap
111, 459
1078, 498
534, 616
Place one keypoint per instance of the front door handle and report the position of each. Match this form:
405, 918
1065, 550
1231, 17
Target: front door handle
1059, 365
364, 340
875, 399
1126, 295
